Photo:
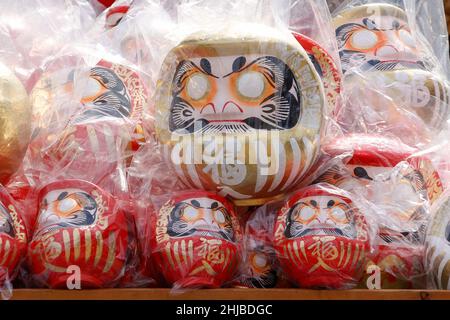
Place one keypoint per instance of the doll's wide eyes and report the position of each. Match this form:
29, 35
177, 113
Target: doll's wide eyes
219, 217
93, 88
406, 37
251, 84
190, 214
259, 261
364, 39
197, 86
339, 215
67, 205
306, 213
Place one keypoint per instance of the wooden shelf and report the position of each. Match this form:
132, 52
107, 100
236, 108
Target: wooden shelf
228, 294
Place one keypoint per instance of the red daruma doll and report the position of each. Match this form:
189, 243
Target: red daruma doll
321, 239
196, 240
400, 185
79, 225
13, 238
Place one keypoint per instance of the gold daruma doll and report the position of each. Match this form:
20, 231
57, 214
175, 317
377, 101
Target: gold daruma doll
240, 111
15, 117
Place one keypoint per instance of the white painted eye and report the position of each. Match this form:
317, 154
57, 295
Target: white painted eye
92, 88
339, 214
113, 19
306, 213
67, 205
219, 217
197, 86
364, 39
260, 260
190, 213
250, 84
406, 38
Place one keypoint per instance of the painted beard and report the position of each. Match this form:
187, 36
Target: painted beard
106, 96
69, 210
203, 218
6, 224
297, 229
244, 96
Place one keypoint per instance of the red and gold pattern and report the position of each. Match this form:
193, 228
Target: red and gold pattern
328, 70
321, 259
99, 246
13, 238
196, 257
374, 155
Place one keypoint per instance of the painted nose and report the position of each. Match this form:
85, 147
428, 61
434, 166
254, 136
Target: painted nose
231, 107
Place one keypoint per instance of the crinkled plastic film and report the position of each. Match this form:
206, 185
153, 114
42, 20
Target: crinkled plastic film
193, 144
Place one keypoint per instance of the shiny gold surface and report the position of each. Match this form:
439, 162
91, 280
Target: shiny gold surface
15, 115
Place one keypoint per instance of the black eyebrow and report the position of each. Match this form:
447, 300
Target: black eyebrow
201, 70
249, 65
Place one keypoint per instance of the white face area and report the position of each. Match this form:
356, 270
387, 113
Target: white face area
320, 215
385, 38
200, 217
234, 94
66, 208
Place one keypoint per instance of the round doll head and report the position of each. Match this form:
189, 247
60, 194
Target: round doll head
241, 111
438, 244
321, 239
391, 178
195, 240
13, 238
78, 224
375, 36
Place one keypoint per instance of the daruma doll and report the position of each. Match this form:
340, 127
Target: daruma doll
240, 111
102, 126
79, 225
321, 239
377, 40
399, 184
13, 238
196, 240
438, 244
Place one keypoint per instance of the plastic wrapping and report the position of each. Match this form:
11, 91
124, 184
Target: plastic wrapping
196, 144
401, 186
322, 237
396, 79
437, 253
196, 239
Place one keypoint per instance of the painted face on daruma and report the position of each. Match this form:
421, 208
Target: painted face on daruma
234, 94
200, 217
105, 95
6, 224
376, 34
320, 215
68, 208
